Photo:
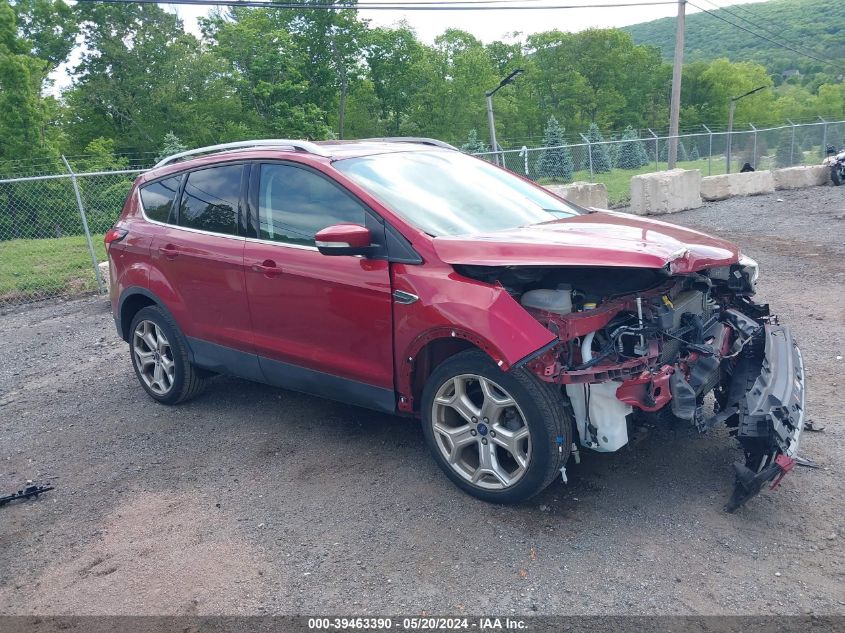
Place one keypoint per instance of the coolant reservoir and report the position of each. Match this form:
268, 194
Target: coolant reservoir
558, 301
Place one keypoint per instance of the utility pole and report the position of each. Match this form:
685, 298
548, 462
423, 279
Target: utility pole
490, 123
677, 72
492, 126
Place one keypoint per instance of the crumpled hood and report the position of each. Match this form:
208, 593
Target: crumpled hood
603, 238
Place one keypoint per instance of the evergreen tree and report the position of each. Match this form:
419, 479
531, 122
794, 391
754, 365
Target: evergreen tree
632, 154
474, 145
171, 145
555, 161
642, 150
613, 152
601, 158
807, 143
683, 155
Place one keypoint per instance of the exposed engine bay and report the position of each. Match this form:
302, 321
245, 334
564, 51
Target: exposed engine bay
641, 345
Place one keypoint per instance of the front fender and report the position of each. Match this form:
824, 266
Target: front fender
453, 306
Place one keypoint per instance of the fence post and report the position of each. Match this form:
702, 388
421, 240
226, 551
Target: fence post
709, 151
824, 138
656, 149
589, 153
754, 155
85, 225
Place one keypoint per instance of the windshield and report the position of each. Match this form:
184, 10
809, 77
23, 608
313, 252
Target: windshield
449, 193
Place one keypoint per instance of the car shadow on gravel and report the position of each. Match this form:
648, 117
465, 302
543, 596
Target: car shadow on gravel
666, 468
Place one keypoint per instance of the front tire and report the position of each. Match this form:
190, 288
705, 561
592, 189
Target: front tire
500, 436
160, 358
836, 174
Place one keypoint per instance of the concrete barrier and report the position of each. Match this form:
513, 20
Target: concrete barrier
585, 194
752, 183
800, 177
104, 273
665, 192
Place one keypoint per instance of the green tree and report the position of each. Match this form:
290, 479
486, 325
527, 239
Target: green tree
600, 157
170, 145
398, 71
694, 153
632, 153
35, 36
141, 76
473, 144
556, 160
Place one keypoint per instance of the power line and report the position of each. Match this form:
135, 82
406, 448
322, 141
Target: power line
763, 28
415, 5
768, 39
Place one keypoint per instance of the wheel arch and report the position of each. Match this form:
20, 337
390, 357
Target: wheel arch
133, 300
427, 352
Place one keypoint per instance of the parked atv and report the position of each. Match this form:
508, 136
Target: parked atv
836, 161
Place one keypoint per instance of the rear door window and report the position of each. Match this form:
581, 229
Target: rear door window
211, 199
157, 198
295, 203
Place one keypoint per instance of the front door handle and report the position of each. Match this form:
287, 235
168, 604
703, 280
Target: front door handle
169, 251
268, 268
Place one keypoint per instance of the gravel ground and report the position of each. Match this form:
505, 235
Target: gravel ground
252, 500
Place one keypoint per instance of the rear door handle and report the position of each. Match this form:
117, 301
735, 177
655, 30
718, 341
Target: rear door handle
169, 251
268, 268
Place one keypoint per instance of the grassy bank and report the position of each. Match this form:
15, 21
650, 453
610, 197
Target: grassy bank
37, 269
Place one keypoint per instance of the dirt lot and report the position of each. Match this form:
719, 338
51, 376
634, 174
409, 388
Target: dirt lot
252, 500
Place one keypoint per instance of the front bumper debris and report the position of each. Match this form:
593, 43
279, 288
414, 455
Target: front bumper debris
767, 394
776, 401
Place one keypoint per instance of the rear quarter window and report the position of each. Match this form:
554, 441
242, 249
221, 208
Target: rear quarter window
210, 200
157, 198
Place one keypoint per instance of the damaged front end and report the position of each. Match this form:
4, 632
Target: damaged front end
638, 345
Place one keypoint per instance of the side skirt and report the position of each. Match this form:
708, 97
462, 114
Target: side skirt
225, 360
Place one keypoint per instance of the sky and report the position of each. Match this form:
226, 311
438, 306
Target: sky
488, 26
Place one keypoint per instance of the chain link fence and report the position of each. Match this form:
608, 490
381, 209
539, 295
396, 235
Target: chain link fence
51, 232
615, 161
52, 225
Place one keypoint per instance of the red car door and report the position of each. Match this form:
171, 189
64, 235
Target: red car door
199, 268
322, 324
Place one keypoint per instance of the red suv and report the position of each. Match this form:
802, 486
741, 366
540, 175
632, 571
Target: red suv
407, 277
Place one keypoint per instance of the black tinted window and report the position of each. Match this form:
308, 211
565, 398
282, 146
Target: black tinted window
158, 197
295, 203
210, 199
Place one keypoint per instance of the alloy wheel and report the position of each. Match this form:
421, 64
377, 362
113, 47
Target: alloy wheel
153, 357
481, 431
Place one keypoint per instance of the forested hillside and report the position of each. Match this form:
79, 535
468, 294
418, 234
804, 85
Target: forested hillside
817, 25
139, 84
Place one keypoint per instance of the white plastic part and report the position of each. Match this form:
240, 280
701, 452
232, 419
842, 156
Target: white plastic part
557, 301
607, 415
587, 348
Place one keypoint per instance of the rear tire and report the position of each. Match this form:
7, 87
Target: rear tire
159, 356
500, 436
836, 175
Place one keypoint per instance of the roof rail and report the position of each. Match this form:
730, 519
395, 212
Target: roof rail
413, 139
305, 146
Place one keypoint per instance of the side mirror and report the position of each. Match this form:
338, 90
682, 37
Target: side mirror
344, 239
